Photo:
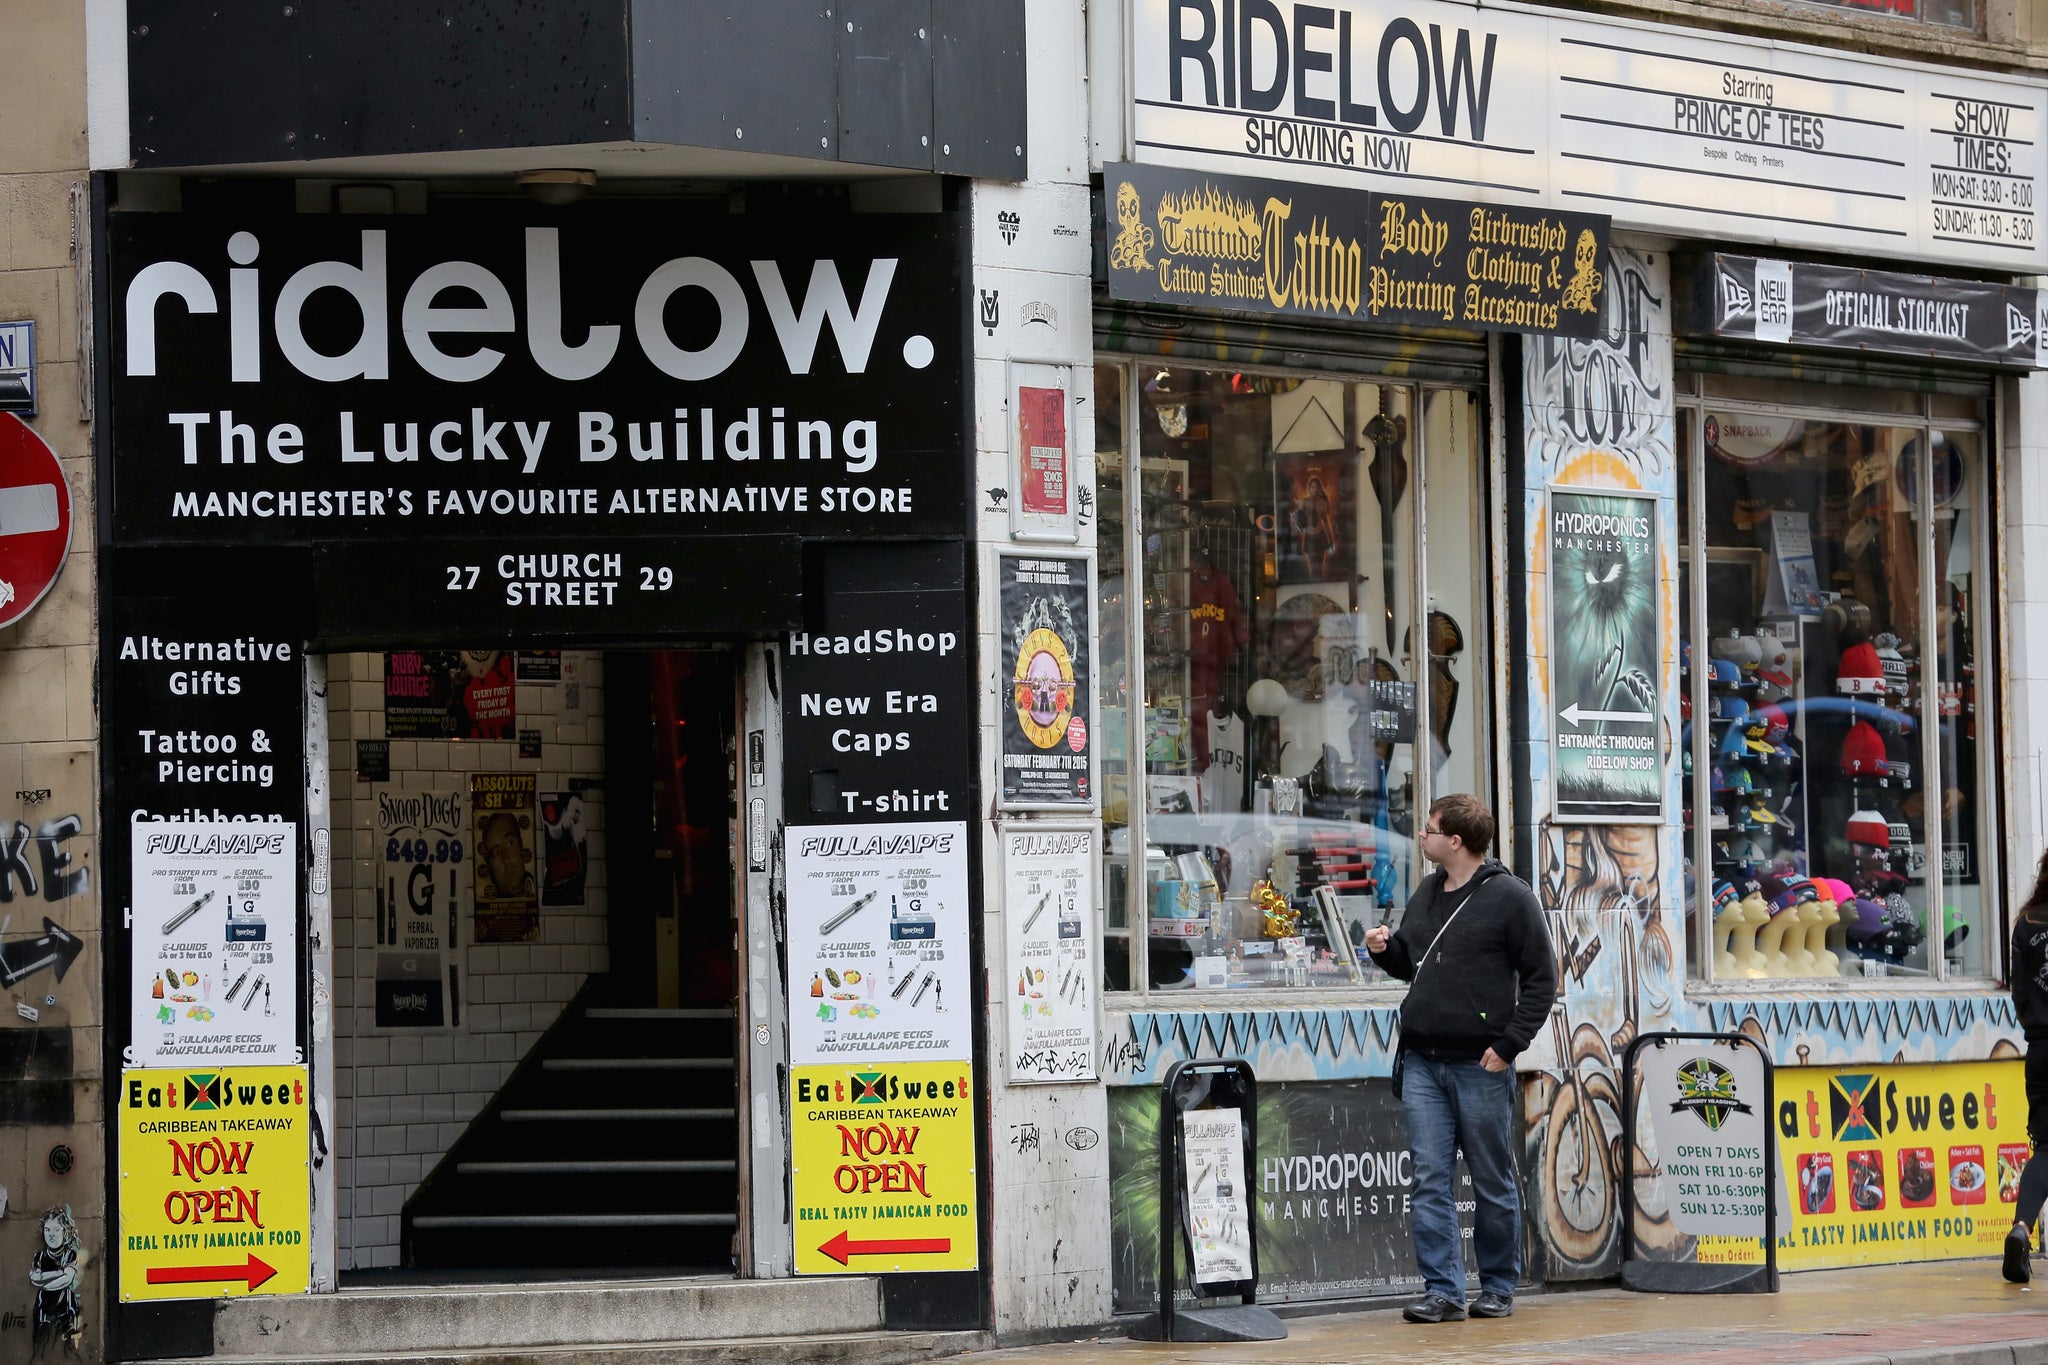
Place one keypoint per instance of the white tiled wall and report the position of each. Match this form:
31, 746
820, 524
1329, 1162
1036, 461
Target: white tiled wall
403, 1096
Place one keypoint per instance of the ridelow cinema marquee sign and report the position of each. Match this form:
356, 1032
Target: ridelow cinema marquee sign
1663, 129
616, 371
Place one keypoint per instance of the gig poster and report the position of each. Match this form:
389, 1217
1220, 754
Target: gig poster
1882, 1164
1045, 634
1605, 699
423, 843
505, 889
419, 685
483, 706
565, 847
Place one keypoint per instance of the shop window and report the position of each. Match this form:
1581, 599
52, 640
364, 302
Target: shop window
1274, 718
1833, 794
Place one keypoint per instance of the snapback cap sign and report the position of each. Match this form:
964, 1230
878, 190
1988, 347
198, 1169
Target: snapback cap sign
1801, 303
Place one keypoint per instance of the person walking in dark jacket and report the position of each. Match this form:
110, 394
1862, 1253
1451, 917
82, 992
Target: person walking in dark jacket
1474, 949
2030, 1003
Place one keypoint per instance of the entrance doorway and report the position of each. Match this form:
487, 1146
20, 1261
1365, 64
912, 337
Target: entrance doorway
536, 1050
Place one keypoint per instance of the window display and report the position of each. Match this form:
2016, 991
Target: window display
1831, 559
1261, 544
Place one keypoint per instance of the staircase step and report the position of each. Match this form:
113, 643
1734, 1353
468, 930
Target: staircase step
830, 1348
616, 1012
637, 1064
422, 1322
591, 1167
602, 1115
445, 1222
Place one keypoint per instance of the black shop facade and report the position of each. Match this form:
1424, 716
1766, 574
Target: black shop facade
536, 683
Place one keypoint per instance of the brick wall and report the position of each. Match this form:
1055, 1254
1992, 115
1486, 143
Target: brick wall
51, 1139
403, 1096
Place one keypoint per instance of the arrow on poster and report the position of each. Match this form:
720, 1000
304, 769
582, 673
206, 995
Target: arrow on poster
841, 1247
1573, 714
256, 1272
25, 957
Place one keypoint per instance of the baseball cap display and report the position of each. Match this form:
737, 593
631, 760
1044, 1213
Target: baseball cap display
1804, 593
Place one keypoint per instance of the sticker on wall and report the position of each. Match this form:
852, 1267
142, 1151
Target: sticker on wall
55, 1271
1046, 988
213, 948
424, 847
882, 1167
215, 1196
540, 665
878, 919
1042, 452
502, 880
1045, 636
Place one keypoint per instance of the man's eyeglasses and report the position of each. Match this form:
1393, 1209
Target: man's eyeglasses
1427, 831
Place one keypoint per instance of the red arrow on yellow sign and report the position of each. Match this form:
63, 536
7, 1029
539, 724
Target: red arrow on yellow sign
252, 1274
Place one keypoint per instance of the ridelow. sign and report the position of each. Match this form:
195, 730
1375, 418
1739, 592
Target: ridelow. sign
215, 1195
1227, 241
1605, 700
1910, 1162
1801, 303
625, 371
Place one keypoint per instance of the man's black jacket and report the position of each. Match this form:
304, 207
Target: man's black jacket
1490, 981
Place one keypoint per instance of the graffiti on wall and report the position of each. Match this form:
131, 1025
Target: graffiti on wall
1600, 414
55, 1271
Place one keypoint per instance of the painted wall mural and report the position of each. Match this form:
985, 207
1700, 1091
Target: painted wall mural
49, 915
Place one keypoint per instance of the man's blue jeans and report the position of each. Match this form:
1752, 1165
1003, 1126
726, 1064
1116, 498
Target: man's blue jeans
1453, 1107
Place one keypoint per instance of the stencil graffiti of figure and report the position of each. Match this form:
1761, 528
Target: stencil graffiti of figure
55, 1273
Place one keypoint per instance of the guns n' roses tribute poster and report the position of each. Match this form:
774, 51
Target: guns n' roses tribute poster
1045, 633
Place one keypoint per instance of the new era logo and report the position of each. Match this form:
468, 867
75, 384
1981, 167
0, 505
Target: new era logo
2019, 328
1735, 297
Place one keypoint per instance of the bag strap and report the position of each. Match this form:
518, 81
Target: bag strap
1441, 930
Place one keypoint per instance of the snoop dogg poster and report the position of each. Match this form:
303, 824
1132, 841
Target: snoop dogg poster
1604, 662
1045, 714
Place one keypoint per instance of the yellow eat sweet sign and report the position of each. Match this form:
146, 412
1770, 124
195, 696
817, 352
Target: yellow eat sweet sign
882, 1167
216, 1196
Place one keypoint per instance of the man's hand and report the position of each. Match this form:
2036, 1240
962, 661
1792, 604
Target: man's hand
1376, 938
1492, 1062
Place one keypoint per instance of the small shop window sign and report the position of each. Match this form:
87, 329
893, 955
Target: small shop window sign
18, 368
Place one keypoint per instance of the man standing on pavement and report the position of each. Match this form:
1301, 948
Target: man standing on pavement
1476, 955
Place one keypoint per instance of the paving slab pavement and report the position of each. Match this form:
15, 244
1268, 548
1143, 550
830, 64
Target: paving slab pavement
1943, 1313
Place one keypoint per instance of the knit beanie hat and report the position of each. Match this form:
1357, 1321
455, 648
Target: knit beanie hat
1861, 673
1863, 751
1868, 827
